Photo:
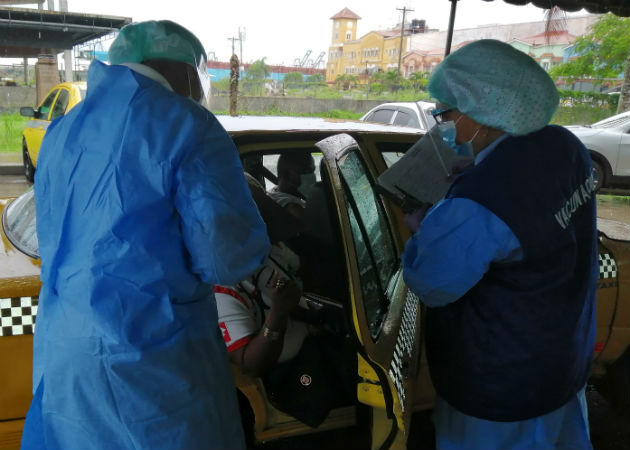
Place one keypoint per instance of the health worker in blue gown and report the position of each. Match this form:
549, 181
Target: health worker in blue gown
507, 262
142, 207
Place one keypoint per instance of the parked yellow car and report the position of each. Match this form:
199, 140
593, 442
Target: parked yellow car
59, 100
362, 237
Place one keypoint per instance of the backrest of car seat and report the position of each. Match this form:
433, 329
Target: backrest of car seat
324, 239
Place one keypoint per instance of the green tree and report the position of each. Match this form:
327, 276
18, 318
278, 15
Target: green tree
316, 78
255, 77
222, 85
601, 53
346, 81
258, 70
418, 81
293, 79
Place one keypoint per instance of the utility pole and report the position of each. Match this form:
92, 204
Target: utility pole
233, 39
241, 38
402, 32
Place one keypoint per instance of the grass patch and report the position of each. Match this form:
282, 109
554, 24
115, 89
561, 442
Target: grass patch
613, 198
11, 126
274, 111
580, 115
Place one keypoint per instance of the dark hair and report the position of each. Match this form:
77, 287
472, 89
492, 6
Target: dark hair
300, 158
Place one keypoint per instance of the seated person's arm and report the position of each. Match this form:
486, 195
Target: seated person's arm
258, 352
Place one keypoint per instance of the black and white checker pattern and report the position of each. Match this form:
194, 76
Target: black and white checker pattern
17, 315
404, 346
607, 266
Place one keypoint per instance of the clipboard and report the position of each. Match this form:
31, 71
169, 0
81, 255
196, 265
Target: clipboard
423, 174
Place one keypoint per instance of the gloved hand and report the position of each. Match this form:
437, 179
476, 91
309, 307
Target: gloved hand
415, 217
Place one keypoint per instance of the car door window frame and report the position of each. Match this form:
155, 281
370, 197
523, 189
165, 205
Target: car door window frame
382, 279
413, 116
372, 118
47, 103
62, 96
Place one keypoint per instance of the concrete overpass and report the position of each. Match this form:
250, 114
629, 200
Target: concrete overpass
43, 34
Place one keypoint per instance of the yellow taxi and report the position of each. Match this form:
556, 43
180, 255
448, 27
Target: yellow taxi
59, 100
361, 237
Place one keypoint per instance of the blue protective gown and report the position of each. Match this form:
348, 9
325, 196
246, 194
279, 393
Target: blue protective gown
141, 207
463, 227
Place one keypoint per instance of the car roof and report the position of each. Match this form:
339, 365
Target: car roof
71, 84
407, 104
269, 124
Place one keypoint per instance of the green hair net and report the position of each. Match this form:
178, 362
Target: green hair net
160, 39
496, 85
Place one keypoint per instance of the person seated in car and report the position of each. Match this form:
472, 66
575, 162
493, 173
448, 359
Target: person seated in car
254, 315
296, 177
264, 340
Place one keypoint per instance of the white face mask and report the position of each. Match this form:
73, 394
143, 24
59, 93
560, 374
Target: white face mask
283, 260
307, 181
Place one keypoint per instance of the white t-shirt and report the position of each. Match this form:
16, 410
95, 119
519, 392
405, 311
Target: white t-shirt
241, 318
283, 199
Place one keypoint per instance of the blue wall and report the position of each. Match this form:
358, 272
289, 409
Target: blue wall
225, 73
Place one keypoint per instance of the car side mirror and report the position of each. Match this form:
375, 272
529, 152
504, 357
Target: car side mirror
27, 111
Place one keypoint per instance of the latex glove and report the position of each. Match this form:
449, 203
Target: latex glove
415, 217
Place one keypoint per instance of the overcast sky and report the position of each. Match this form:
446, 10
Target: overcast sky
283, 30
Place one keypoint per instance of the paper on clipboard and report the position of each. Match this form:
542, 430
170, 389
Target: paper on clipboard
423, 174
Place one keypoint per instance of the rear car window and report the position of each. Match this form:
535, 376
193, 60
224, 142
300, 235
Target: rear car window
407, 118
381, 116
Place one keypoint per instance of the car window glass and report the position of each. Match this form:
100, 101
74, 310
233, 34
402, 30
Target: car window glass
270, 162
429, 116
406, 119
60, 104
393, 151
391, 158
44, 107
376, 255
381, 116
18, 222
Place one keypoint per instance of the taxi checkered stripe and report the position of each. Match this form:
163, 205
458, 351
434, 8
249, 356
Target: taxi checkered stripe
607, 266
17, 315
404, 345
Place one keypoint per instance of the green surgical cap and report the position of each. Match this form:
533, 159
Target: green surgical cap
160, 39
496, 85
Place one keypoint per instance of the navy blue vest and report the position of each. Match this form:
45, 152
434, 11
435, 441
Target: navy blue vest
519, 343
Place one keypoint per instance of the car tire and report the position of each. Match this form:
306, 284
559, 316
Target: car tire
614, 386
29, 168
600, 175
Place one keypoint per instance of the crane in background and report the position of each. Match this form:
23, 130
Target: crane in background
319, 60
302, 62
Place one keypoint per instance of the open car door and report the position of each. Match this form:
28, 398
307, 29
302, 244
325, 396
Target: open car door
385, 315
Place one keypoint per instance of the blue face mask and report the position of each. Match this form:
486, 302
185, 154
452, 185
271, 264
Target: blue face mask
465, 149
449, 133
